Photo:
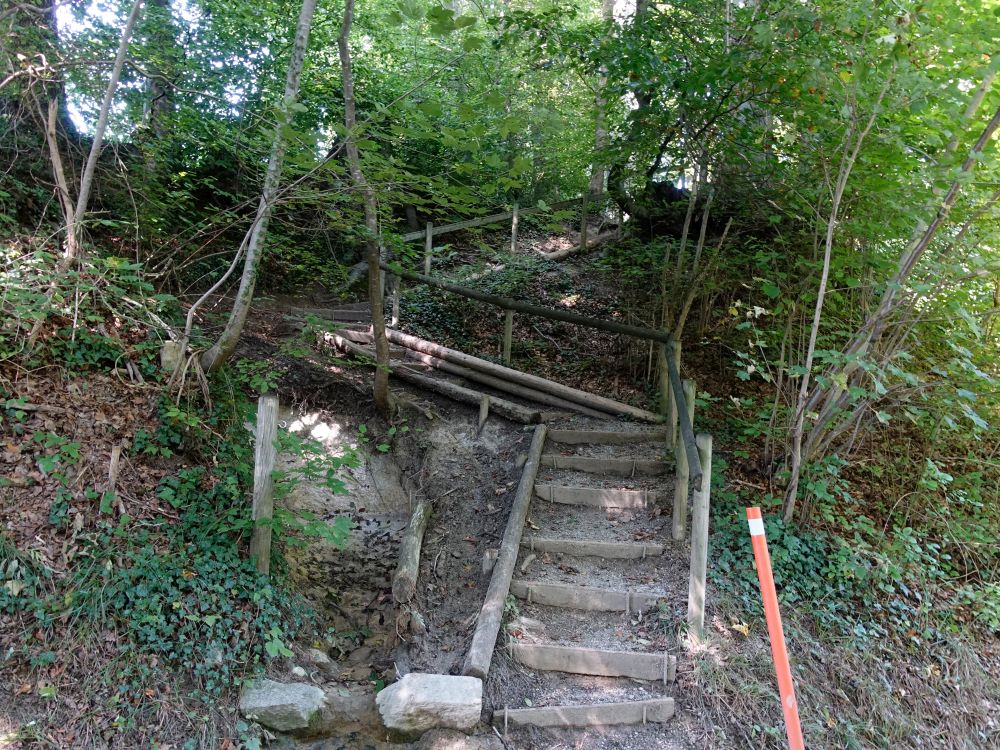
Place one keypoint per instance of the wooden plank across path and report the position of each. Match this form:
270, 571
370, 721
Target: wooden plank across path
587, 715
596, 497
594, 661
584, 548
624, 467
586, 598
606, 437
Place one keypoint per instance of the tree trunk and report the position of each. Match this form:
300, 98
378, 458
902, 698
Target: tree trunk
382, 397
253, 242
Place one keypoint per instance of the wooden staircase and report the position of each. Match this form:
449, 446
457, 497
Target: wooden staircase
588, 565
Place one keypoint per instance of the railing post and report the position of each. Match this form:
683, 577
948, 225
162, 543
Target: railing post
428, 248
397, 291
682, 477
583, 220
263, 484
699, 539
513, 228
508, 333
666, 397
675, 352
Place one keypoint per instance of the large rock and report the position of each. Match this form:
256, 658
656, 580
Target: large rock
420, 702
286, 707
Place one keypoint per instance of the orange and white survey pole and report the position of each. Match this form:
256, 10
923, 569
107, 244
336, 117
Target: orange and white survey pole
778, 651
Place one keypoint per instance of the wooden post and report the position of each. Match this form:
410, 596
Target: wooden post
699, 539
583, 221
404, 583
682, 477
674, 417
513, 229
263, 484
667, 406
508, 333
428, 248
397, 290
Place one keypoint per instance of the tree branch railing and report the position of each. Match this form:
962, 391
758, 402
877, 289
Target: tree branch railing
671, 387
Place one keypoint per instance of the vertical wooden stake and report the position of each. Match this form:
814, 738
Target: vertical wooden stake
583, 221
513, 229
699, 539
682, 477
263, 484
675, 352
397, 290
508, 333
666, 397
428, 248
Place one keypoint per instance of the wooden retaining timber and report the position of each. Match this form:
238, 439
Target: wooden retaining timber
404, 583
623, 467
605, 437
587, 715
595, 497
508, 409
585, 598
593, 661
477, 661
585, 548
605, 405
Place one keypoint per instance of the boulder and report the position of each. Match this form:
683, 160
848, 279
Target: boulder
420, 702
285, 707
349, 709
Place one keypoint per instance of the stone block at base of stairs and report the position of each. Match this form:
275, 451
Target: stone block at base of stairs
420, 702
600, 714
593, 661
286, 707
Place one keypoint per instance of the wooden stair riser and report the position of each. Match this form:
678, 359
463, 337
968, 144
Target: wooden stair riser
585, 548
596, 498
593, 715
596, 662
622, 467
605, 437
583, 598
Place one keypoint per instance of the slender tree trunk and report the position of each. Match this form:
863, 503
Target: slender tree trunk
849, 158
382, 398
75, 232
253, 242
599, 171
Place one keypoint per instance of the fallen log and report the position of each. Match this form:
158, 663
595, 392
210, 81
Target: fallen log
404, 583
577, 249
574, 395
508, 409
484, 640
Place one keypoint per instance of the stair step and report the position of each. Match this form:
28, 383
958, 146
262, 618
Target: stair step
606, 437
625, 467
596, 497
598, 662
583, 597
325, 313
587, 715
585, 548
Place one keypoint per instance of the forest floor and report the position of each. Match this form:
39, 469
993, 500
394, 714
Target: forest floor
852, 693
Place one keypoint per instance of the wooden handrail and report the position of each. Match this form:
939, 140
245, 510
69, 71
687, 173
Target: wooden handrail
551, 313
494, 218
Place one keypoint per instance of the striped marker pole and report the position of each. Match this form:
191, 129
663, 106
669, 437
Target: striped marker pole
774, 630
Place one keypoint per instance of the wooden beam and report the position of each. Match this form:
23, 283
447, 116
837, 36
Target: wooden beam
599, 662
404, 583
657, 710
575, 395
682, 474
623, 467
477, 662
699, 540
494, 218
588, 548
595, 497
606, 437
587, 598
